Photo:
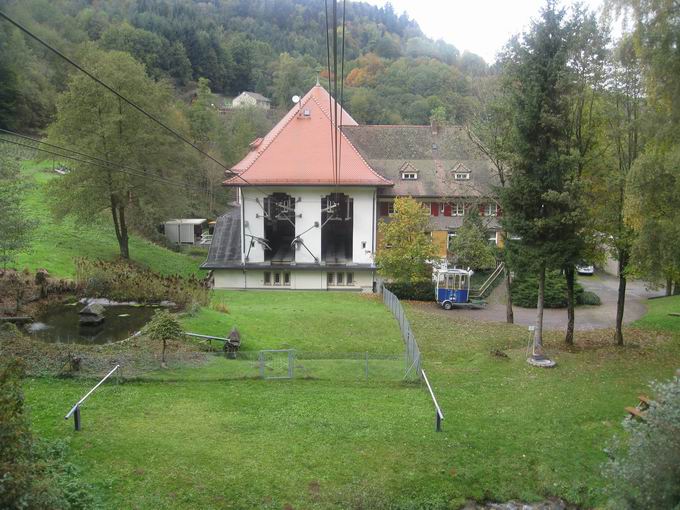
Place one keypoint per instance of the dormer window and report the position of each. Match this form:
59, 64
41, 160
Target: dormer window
409, 176
461, 172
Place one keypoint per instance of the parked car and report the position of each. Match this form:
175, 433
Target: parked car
585, 269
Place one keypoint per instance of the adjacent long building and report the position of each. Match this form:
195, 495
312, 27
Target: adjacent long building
303, 222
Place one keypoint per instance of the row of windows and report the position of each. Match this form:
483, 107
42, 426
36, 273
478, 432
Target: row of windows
283, 278
411, 175
450, 209
277, 278
333, 279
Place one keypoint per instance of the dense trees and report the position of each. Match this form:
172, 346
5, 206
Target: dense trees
275, 48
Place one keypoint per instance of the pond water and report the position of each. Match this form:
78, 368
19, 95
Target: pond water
60, 323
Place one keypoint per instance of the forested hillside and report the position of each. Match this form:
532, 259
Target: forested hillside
394, 73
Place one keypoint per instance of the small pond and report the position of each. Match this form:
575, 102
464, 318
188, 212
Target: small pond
60, 323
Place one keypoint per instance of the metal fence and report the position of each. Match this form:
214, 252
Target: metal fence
412, 352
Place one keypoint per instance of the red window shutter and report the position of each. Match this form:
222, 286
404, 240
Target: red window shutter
447, 209
383, 209
481, 209
434, 208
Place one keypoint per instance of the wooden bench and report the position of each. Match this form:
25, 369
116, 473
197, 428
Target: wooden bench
639, 410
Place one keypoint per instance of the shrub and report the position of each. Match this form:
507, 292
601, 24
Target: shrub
421, 291
33, 474
588, 298
124, 281
525, 290
163, 327
644, 468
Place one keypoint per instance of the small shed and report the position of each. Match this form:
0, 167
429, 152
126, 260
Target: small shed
185, 230
247, 98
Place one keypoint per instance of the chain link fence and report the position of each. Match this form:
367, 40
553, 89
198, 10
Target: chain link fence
412, 352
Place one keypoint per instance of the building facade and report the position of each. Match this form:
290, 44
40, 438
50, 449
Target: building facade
302, 221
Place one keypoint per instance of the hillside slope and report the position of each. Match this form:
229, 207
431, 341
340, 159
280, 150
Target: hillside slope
56, 244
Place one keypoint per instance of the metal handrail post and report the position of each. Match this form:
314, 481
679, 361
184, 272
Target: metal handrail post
75, 410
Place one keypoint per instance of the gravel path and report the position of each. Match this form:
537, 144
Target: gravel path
587, 317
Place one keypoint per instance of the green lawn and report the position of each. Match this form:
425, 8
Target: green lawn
658, 317
55, 245
307, 321
510, 431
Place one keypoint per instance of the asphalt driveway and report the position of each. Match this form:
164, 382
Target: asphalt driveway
587, 317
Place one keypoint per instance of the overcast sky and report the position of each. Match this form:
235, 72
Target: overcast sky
479, 26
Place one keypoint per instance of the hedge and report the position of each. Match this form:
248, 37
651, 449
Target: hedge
525, 291
422, 291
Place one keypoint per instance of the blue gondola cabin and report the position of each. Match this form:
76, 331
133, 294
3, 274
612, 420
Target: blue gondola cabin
452, 287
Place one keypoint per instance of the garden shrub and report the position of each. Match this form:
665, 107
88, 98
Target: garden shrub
588, 298
644, 466
525, 290
33, 474
124, 281
421, 291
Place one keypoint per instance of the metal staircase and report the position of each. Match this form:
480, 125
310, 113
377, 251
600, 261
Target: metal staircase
489, 284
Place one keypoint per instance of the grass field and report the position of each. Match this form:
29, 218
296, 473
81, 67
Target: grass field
658, 314
56, 244
510, 431
332, 322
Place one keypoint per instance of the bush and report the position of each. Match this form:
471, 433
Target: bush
644, 468
422, 291
33, 474
588, 298
123, 281
525, 290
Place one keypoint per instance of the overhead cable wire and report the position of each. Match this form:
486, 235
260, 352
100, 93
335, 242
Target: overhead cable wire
122, 97
132, 170
330, 87
107, 166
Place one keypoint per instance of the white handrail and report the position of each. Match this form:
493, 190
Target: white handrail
73, 409
434, 399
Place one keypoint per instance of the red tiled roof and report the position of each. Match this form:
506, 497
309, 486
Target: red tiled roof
297, 151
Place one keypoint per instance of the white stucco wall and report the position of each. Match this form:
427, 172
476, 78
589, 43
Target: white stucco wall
299, 280
243, 100
308, 211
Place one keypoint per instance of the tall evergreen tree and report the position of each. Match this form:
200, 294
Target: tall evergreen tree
537, 203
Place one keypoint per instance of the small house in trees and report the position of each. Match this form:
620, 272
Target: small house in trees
301, 222
245, 99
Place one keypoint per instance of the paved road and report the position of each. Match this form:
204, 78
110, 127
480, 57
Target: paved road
587, 317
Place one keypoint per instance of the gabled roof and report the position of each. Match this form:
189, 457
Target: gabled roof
255, 95
298, 150
436, 156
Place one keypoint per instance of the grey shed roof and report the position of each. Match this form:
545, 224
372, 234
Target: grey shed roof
257, 96
225, 249
435, 156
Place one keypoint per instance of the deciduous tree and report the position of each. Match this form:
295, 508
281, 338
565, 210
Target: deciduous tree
96, 122
405, 246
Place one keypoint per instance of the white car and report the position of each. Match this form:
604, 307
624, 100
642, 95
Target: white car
585, 270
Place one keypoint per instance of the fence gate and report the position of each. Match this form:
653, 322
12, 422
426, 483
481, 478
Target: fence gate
277, 363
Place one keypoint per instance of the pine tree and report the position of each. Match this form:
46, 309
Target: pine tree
537, 204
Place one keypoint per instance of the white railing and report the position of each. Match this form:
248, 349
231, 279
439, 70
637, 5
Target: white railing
439, 416
75, 410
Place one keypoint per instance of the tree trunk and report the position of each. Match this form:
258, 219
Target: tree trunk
669, 286
621, 301
509, 314
538, 332
163, 355
118, 214
570, 277
676, 288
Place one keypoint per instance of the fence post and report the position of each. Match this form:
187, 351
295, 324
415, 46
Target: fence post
76, 419
291, 361
439, 421
260, 357
367, 366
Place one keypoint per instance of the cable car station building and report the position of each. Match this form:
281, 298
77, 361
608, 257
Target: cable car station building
300, 224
